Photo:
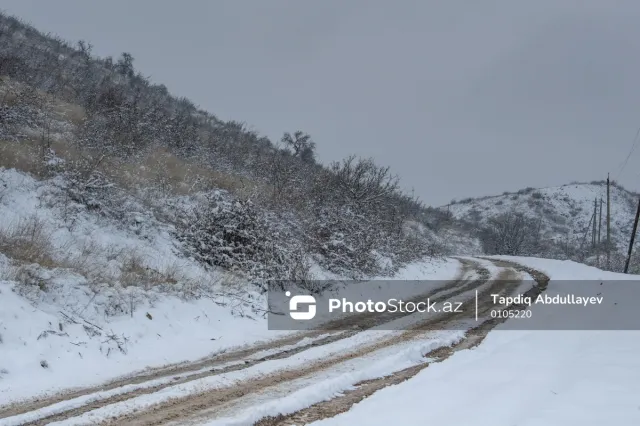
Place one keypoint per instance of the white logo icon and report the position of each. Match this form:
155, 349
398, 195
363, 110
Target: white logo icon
300, 300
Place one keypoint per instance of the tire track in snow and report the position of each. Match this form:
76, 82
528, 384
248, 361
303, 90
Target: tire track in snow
202, 406
364, 389
93, 398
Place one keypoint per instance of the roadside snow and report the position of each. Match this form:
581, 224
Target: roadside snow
179, 331
528, 378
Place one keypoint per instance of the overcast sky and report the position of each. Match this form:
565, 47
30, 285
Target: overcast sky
460, 98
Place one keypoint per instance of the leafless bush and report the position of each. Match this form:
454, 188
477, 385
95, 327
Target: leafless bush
237, 236
537, 195
90, 261
134, 272
27, 241
363, 182
511, 234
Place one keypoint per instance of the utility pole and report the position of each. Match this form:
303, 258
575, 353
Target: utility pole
633, 237
584, 237
595, 214
600, 223
599, 248
608, 225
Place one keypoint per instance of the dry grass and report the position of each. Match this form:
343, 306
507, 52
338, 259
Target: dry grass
135, 272
175, 176
10, 91
161, 170
27, 242
69, 112
24, 156
91, 262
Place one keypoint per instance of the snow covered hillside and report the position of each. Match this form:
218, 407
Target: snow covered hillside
563, 213
93, 297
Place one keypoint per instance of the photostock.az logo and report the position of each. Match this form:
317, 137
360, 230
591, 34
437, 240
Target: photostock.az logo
301, 300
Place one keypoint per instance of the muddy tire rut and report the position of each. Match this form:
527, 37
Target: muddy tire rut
364, 389
241, 359
200, 407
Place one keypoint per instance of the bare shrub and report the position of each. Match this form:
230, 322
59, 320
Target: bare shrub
345, 241
537, 195
300, 273
134, 272
363, 182
511, 234
27, 241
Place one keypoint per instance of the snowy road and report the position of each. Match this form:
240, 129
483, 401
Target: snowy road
309, 376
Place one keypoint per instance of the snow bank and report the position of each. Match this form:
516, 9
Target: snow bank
53, 356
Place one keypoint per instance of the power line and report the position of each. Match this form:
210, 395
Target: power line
626, 160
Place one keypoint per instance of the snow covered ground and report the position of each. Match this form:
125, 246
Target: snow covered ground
73, 335
64, 325
513, 377
178, 331
526, 378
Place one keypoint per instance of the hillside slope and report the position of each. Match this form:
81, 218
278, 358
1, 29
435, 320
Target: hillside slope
114, 132
564, 214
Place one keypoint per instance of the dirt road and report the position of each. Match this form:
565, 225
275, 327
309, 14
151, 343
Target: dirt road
199, 407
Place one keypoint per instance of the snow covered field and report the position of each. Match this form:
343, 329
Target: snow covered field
525, 378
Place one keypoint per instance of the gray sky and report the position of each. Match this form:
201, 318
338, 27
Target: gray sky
460, 98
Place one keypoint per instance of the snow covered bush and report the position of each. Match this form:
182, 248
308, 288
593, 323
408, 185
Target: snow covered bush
344, 240
234, 235
511, 234
19, 110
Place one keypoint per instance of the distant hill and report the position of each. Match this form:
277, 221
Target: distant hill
563, 213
